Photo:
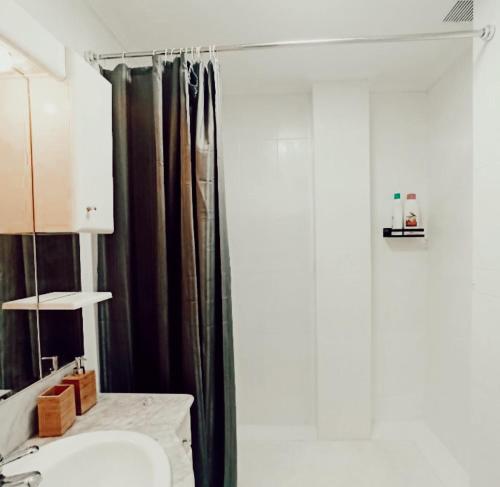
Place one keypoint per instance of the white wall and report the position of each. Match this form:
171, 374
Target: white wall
450, 258
343, 259
280, 354
74, 23
485, 330
268, 165
271, 236
399, 156
422, 142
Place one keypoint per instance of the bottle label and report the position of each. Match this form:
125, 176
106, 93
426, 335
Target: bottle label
411, 219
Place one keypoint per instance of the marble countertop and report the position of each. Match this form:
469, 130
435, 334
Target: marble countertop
160, 416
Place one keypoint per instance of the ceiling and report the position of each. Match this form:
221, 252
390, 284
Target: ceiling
158, 24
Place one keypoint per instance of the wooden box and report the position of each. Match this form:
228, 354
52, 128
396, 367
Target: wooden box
85, 390
56, 410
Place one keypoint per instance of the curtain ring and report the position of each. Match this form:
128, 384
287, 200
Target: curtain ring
123, 56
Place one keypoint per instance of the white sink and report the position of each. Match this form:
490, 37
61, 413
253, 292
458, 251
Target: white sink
99, 459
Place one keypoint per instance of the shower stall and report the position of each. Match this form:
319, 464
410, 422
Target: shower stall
341, 334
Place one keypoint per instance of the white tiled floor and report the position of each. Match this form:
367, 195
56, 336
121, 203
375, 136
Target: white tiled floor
378, 463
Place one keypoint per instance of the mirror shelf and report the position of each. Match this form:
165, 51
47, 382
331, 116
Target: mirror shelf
62, 301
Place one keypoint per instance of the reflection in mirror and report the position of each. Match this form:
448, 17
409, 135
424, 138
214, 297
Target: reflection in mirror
16, 217
19, 357
58, 270
19, 364
33, 343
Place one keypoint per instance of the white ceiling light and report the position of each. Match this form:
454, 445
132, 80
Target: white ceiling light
6, 63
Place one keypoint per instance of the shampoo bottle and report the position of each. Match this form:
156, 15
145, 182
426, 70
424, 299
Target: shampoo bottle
397, 212
412, 212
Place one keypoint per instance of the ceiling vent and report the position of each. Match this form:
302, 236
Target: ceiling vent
462, 11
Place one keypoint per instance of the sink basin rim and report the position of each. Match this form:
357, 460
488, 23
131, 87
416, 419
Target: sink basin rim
58, 450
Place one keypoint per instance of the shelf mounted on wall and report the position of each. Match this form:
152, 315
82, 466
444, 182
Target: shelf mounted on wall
62, 301
404, 233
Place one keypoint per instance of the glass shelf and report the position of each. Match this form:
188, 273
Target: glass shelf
58, 301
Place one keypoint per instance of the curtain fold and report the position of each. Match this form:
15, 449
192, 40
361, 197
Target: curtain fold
168, 328
114, 259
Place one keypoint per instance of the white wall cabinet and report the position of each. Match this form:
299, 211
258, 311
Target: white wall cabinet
65, 175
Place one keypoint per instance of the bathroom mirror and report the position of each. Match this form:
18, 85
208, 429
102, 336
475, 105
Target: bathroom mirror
19, 356
33, 343
58, 270
16, 174
53, 185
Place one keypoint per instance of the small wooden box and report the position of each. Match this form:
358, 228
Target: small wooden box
56, 410
85, 390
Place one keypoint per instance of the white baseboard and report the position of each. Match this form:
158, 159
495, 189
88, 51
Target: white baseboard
447, 468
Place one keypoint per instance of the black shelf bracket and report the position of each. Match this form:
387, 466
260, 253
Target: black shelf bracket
404, 233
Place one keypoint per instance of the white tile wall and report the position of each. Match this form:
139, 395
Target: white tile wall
450, 258
343, 259
399, 155
485, 331
269, 167
268, 161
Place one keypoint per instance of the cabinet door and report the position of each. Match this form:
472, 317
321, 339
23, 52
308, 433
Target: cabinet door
72, 151
16, 191
92, 146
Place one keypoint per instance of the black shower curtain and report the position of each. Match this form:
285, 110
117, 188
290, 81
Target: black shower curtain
168, 328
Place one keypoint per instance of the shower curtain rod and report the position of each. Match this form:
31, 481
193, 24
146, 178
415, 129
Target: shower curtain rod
486, 33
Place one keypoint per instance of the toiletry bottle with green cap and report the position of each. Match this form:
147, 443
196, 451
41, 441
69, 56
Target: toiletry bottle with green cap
397, 213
